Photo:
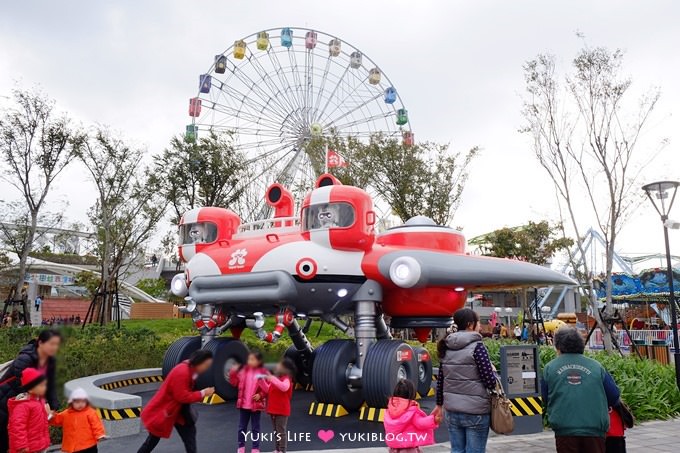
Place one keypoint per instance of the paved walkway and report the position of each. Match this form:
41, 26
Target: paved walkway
651, 437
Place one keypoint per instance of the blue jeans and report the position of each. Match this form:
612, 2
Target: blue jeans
468, 433
253, 417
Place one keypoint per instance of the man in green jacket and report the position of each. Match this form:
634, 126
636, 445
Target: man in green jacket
578, 393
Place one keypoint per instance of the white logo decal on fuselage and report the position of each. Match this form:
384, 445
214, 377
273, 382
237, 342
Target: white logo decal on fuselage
238, 259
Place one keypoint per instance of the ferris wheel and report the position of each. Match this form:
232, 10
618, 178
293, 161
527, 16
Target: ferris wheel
278, 89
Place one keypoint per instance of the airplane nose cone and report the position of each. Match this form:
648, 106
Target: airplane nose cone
465, 271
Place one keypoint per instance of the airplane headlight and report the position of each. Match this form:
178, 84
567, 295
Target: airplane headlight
405, 272
179, 286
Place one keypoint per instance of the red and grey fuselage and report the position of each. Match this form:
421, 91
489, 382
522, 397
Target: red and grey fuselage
313, 264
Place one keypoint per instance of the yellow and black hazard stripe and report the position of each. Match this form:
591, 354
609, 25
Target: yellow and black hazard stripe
129, 382
526, 406
327, 410
306, 388
430, 392
213, 399
371, 414
119, 414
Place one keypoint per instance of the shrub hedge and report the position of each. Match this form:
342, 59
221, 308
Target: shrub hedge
647, 386
93, 350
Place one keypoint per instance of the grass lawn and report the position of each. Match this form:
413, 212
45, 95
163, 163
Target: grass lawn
167, 329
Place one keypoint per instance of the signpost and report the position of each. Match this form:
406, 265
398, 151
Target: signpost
520, 376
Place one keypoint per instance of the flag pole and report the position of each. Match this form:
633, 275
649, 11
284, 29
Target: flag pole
325, 159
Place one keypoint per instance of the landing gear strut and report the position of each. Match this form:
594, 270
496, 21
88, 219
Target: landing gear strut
301, 353
347, 372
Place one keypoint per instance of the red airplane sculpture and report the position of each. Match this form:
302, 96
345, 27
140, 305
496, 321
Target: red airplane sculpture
329, 264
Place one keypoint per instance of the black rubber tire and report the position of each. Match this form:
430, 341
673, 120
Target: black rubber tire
303, 367
179, 351
226, 352
424, 374
329, 374
386, 362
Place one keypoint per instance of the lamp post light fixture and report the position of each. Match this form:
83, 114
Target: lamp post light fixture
508, 313
662, 195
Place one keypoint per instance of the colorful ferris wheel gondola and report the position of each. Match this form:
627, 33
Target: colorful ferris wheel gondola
402, 117
374, 76
311, 38
240, 49
355, 59
195, 107
205, 82
390, 95
287, 37
262, 40
220, 64
334, 47
408, 138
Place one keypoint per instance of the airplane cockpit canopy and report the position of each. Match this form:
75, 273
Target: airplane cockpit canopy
198, 233
328, 215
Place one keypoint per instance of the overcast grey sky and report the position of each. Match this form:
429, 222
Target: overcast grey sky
457, 66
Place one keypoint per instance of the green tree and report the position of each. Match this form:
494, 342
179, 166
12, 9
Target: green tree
36, 144
350, 148
422, 179
89, 281
204, 172
156, 287
129, 205
534, 242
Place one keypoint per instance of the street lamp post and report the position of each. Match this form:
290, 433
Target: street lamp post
662, 195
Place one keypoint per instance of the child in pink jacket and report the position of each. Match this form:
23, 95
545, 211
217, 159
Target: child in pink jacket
251, 400
407, 427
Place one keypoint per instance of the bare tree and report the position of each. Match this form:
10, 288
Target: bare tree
129, 205
586, 139
36, 144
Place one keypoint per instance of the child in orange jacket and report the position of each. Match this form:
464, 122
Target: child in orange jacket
82, 427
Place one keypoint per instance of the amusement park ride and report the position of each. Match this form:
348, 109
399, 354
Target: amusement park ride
328, 262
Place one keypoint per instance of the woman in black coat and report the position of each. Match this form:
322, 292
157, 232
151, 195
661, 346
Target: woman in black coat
39, 353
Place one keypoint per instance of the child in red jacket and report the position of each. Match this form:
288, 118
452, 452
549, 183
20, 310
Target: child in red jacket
620, 418
29, 415
407, 427
251, 400
280, 392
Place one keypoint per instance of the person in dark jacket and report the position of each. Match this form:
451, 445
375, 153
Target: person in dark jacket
465, 377
170, 407
578, 393
39, 354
